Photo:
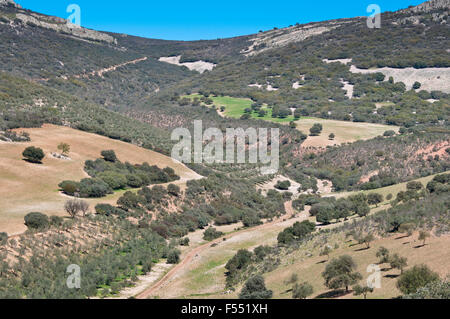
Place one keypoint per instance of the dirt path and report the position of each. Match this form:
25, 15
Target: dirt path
149, 291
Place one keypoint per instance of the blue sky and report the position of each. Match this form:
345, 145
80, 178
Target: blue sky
205, 19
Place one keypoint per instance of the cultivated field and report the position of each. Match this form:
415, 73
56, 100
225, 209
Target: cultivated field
235, 107
344, 131
27, 187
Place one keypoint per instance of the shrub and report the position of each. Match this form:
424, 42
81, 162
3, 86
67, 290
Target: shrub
389, 133
3, 238
316, 129
173, 190
173, 257
211, 234
283, 185
33, 154
134, 181
255, 288
114, 180
36, 221
56, 221
109, 156
302, 291
69, 187
416, 85
104, 209
184, 241
94, 187
413, 279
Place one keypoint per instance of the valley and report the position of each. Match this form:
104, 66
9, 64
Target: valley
89, 121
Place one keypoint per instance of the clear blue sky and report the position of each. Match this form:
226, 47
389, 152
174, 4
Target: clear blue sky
205, 19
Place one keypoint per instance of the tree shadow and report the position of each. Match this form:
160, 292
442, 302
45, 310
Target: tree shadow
361, 249
401, 237
406, 242
385, 269
31, 162
391, 276
333, 294
287, 291
321, 262
419, 246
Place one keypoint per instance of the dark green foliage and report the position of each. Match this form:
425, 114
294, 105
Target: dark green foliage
374, 198
211, 234
340, 272
128, 201
298, 231
108, 210
3, 238
283, 185
109, 156
184, 241
362, 290
33, 154
316, 129
302, 291
413, 279
36, 221
173, 189
389, 133
69, 187
255, 288
173, 257
111, 174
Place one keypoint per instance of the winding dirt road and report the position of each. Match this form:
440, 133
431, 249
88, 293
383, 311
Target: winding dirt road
152, 289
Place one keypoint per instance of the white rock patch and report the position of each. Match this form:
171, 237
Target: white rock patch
431, 79
199, 66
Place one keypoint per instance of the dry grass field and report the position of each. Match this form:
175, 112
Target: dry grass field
26, 187
344, 131
434, 254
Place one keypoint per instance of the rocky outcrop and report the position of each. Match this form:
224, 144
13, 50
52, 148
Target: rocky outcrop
430, 6
64, 26
10, 3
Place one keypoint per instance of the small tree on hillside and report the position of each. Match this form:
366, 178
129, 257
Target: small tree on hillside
362, 290
340, 272
415, 278
367, 239
398, 262
84, 207
423, 235
72, 207
64, 148
33, 154
374, 199
109, 155
302, 291
316, 129
331, 136
255, 288
326, 251
383, 254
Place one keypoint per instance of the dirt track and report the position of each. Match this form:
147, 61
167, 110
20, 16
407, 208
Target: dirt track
151, 290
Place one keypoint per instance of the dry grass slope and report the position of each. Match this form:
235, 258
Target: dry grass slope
27, 187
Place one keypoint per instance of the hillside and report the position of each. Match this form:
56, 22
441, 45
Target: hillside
29, 187
364, 149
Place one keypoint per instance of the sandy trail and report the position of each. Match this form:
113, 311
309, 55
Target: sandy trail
189, 257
